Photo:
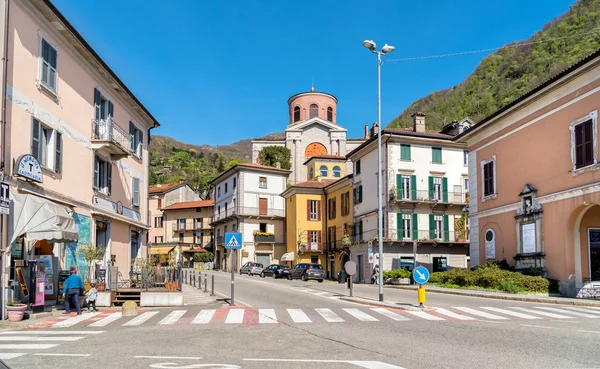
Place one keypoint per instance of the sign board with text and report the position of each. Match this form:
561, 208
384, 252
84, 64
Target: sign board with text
4, 198
28, 167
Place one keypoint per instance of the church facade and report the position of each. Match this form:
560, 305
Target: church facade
312, 131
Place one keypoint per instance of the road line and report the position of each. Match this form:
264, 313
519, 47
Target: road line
576, 313
235, 316
511, 313
542, 313
482, 314
536, 326
581, 330
10, 355
452, 314
69, 322
390, 314
424, 315
204, 317
169, 357
360, 315
74, 355
583, 310
141, 318
40, 338
50, 333
106, 321
173, 317
266, 316
362, 364
374, 365
321, 293
329, 315
298, 316
26, 346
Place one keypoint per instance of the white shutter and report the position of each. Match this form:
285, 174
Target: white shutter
135, 201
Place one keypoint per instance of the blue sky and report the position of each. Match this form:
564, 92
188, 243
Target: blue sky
217, 71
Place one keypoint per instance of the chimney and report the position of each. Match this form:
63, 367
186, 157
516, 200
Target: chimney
419, 122
375, 129
278, 165
181, 180
366, 131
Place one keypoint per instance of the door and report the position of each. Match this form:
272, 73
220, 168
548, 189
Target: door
262, 206
360, 268
264, 259
594, 242
332, 269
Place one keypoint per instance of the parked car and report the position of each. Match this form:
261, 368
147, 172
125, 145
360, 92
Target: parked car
251, 268
275, 271
307, 271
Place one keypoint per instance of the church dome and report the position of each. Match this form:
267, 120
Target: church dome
312, 104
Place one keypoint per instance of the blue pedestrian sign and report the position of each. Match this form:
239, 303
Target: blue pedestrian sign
421, 275
233, 240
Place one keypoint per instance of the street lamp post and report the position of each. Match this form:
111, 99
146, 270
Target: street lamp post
369, 44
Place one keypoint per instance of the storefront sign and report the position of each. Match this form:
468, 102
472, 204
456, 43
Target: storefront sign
4, 198
40, 281
528, 236
116, 208
28, 167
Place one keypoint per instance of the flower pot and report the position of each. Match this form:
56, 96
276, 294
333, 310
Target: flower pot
398, 281
16, 312
101, 287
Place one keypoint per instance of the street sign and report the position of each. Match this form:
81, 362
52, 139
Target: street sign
233, 240
350, 268
4, 198
421, 275
370, 251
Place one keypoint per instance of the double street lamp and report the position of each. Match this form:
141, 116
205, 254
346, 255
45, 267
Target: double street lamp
369, 44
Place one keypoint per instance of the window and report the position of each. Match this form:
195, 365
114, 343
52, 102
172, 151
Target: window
102, 175
489, 177
181, 237
358, 230
436, 155
135, 192
158, 239
180, 224
314, 111
314, 239
405, 152
137, 139
49, 59
358, 194
437, 188
405, 187
466, 185
330, 114
159, 203
357, 169
198, 238
262, 227
584, 144
314, 209
218, 191
225, 187
311, 173
439, 227
234, 182
331, 208
296, 114
314, 259
465, 157
262, 182
331, 236
324, 171
158, 222
198, 223
404, 226
438, 222
103, 109
46, 145
345, 204
337, 171
219, 209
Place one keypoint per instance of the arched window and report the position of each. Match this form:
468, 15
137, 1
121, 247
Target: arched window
330, 114
296, 114
337, 172
311, 173
314, 111
324, 171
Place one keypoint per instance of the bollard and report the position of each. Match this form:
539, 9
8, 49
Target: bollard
199, 281
194, 278
212, 287
185, 274
205, 282
421, 296
129, 308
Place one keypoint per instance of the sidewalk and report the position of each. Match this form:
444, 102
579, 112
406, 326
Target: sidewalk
195, 296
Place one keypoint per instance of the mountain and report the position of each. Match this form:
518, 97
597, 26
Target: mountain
513, 70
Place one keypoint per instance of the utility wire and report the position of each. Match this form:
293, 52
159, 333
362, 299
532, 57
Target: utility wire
489, 49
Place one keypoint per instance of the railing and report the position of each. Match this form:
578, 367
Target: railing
220, 240
393, 235
264, 239
145, 279
248, 211
108, 130
431, 196
190, 225
311, 247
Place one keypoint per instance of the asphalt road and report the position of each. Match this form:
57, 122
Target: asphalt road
293, 324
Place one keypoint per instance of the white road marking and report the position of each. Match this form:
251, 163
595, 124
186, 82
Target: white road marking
581, 330
360, 315
321, 293
173, 317
390, 314
204, 317
542, 313
452, 314
40, 338
511, 313
26, 346
536, 326
583, 310
69, 322
106, 321
482, 314
298, 316
9, 355
43, 333
169, 357
142, 318
74, 355
329, 315
362, 364
235, 316
576, 313
266, 316
374, 365
424, 315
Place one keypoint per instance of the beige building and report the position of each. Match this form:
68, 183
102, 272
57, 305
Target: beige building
534, 190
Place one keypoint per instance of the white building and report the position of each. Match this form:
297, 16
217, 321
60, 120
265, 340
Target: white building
425, 186
247, 200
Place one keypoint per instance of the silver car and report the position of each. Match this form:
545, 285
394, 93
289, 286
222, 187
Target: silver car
251, 268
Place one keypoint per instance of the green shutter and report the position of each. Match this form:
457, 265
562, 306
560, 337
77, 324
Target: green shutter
433, 155
440, 155
431, 227
405, 152
413, 187
446, 228
399, 226
415, 227
430, 187
445, 189
436, 154
398, 186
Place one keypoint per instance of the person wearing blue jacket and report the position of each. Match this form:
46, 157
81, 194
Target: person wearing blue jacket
73, 287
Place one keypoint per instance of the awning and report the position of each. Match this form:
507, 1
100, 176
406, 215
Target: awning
161, 250
288, 256
38, 218
195, 250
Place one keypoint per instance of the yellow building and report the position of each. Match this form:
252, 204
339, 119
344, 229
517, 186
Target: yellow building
319, 216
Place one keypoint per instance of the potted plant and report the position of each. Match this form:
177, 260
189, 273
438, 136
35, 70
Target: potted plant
461, 229
396, 276
15, 311
91, 253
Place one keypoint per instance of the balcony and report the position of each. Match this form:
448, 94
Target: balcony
305, 247
434, 198
191, 225
250, 212
263, 237
220, 240
422, 236
111, 139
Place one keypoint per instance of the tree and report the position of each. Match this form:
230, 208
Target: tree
203, 257
153, 177
269, 155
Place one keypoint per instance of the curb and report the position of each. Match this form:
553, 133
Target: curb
363, 301
546, 300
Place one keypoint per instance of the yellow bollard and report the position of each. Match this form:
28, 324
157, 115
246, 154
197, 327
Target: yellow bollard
129, 308
421, 295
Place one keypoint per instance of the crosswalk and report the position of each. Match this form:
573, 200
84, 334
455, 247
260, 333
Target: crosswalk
14, 344
253, 317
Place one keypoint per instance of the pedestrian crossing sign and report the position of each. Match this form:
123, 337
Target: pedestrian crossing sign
233, 240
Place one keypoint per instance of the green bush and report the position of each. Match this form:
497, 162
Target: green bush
437, 277
491, 276
203, 257
396, 273
509, 286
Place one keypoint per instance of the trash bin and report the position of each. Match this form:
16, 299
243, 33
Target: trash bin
342, 276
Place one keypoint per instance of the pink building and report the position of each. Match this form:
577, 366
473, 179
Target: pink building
75, 149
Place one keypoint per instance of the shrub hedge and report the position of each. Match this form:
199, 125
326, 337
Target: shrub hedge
396, 273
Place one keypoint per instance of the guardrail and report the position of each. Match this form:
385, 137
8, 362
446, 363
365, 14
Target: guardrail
108, 130
431, 196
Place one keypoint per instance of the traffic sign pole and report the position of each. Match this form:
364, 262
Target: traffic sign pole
233, 262
233, 241
421, 295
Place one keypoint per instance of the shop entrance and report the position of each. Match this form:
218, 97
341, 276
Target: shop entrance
594, 240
